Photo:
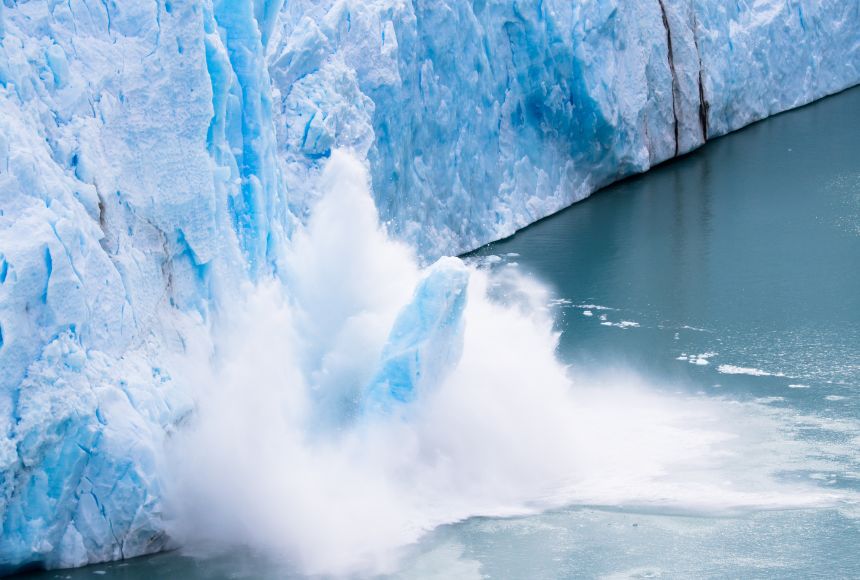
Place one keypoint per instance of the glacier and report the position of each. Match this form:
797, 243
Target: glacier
157, 156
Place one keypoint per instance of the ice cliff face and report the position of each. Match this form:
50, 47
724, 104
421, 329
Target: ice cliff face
154, 155
481, 117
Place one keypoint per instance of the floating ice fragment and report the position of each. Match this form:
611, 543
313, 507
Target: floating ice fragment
736, 370
697, 359
622, 324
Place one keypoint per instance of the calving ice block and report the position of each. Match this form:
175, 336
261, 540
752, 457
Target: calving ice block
425, 341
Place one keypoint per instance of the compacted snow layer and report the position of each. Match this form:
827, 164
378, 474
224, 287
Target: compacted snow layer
156, 156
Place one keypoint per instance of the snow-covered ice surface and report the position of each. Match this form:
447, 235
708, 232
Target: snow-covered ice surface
155, 157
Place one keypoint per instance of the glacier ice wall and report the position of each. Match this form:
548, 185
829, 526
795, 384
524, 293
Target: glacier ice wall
138, 183
156, 155
480, 117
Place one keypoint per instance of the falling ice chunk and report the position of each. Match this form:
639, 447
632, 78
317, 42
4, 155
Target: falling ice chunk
426, 340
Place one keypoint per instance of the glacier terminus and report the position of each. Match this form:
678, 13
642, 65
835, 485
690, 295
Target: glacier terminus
158, 156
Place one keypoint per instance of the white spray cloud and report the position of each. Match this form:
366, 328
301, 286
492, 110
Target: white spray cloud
274, 458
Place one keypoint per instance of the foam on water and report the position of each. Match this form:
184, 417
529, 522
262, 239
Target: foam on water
278, 456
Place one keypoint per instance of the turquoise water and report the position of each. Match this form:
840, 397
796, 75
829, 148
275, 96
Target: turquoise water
749, 249
731, 274
743, 257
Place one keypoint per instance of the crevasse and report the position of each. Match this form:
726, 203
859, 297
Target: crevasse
156, 155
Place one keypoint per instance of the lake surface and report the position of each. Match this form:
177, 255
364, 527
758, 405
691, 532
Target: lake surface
732, 273
748, 249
